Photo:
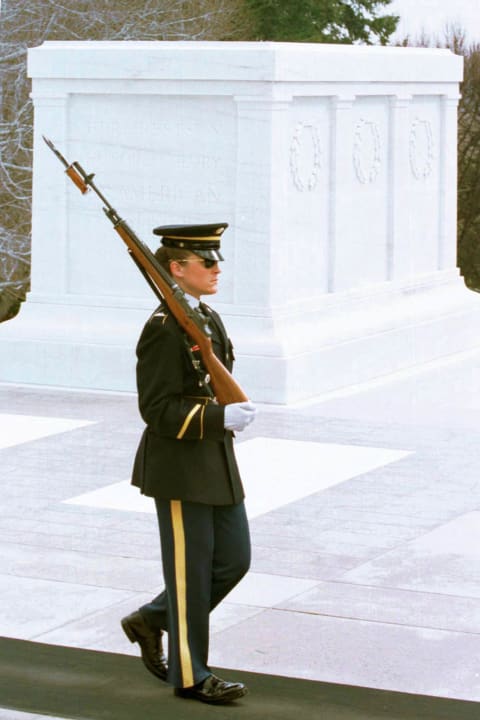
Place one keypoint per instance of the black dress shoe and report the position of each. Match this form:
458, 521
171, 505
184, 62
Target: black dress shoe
137, 630
213, 690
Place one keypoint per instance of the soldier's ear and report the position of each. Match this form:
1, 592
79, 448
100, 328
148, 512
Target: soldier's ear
176, 268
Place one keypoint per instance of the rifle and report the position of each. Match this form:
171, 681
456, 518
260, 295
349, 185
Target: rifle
225, 389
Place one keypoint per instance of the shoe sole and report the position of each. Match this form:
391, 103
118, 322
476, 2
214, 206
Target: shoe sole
133, 637
129, 632
224, 700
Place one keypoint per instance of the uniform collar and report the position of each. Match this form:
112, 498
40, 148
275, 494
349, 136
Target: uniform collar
192, 301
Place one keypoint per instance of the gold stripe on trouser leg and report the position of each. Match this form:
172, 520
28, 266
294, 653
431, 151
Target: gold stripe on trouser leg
181, 588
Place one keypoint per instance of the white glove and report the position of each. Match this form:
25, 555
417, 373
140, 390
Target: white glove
239, 415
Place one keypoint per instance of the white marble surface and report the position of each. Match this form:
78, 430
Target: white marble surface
9, 714
233, 61
446, 560
366, 654
16, 429
33, 606
389, 605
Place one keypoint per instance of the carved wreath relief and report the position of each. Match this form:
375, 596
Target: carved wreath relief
367, 157
421, 149
305, 156
306, 152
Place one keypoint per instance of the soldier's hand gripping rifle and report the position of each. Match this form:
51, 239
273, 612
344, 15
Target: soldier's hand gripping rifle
225, 388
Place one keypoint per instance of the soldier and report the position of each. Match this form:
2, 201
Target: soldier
186, 462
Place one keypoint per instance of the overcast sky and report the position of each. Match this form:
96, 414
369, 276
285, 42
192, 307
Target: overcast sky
433, 15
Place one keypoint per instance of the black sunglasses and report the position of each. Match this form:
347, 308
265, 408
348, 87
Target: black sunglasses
208, 263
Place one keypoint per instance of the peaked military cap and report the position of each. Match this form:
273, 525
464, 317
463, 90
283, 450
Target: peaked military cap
203, 240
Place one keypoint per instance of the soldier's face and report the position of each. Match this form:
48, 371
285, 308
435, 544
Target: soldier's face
194, 278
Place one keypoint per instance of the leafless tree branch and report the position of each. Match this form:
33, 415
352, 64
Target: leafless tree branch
28, 23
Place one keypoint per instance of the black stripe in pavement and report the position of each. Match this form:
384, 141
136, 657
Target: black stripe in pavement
90, 685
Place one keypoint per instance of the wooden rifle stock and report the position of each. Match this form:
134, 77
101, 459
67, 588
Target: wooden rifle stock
225, 388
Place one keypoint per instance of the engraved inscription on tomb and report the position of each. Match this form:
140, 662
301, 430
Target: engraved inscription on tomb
367, 151
305, 157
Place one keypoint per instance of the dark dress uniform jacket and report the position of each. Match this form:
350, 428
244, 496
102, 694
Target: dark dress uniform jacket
184, 453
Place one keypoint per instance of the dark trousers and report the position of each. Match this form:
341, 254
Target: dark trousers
205, 552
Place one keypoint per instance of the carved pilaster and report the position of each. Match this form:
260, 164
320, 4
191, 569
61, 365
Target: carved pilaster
398, 189
340, 187
260, 224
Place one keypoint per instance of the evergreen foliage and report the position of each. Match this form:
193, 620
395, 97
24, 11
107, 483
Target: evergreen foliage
469, 170
326, 21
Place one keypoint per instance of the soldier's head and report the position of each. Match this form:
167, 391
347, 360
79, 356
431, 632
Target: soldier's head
191, 253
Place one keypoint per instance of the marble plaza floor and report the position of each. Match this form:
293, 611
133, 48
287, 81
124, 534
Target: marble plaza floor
365, 520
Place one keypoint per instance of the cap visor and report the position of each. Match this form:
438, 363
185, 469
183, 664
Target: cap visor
209, 254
